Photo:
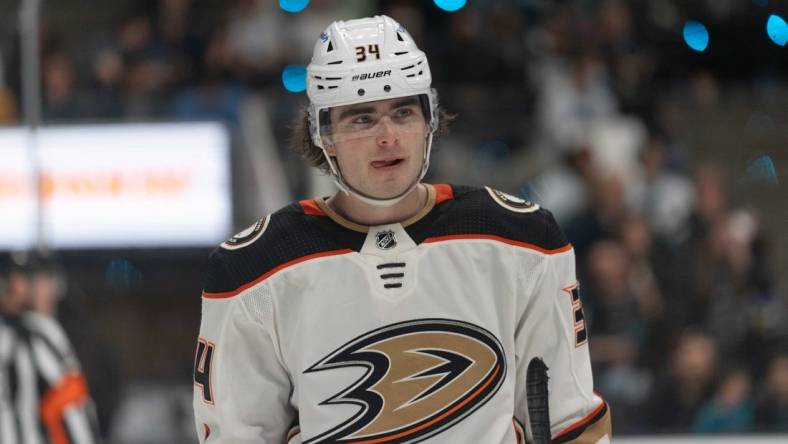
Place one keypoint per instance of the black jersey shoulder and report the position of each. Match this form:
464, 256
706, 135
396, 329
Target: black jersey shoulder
481, 211
286, 235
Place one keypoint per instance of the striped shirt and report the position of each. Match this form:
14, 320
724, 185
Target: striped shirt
43, 395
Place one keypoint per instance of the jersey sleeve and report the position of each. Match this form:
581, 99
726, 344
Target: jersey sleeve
67, 411
551, 326
241, 387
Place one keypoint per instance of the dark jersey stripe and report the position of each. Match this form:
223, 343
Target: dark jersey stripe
292, 234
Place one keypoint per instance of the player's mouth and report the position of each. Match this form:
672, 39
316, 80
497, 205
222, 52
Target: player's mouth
387, 164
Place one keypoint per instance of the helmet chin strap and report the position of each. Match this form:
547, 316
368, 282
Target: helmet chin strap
336, 175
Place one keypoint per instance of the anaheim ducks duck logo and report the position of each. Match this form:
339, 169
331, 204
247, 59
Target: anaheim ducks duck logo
247, 236
512, 203
422, 377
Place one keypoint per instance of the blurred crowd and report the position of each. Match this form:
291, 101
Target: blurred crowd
568, 103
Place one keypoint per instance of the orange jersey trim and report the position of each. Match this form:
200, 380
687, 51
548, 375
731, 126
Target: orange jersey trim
72, 390
519, 437
229, 294
443, 192
311, 208
452, 237
583, 422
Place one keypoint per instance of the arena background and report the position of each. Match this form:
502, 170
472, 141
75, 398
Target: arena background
655, 130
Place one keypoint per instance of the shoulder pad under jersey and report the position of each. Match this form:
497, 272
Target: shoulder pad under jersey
489, 213
270, 243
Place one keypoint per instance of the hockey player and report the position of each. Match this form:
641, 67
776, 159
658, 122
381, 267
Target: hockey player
394, 311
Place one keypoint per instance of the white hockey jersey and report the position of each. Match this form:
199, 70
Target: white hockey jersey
319, 330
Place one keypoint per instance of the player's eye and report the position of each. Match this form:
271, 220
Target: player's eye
364, 119
402, 113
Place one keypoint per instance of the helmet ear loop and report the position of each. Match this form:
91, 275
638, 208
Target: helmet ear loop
333, 166
317, 140
332, 163
314, 129
427, 153
432, 129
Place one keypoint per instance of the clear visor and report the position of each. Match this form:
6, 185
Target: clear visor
400, 117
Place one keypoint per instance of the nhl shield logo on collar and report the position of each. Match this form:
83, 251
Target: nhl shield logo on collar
385, 240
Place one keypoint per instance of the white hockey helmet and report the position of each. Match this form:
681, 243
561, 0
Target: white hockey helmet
365, 60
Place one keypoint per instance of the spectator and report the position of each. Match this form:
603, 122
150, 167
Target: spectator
734, 296
216, 96
149, 74
772, 405
632, 66
617, 310
574, 96
684, 388
711, 203
135, 36
602, 218
731, 410
59, 82
614, 313
564, 188
664, 196
107, 96
648, 275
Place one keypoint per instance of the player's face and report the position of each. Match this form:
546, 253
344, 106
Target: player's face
379, 146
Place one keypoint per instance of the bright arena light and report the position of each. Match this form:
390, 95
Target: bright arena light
696, 36
777, 29
294, 78
293, 5
450, 5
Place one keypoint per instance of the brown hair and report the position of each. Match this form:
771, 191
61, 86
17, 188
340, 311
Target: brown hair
301, 139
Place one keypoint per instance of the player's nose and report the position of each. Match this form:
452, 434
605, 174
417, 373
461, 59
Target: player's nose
387, 135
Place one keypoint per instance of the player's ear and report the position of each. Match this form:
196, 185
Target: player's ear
330, 148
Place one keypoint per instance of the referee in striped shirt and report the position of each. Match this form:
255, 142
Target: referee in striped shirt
43, 395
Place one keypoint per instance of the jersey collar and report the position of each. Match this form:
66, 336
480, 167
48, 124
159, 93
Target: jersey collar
435, 195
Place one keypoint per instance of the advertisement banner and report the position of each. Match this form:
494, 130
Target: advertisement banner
116, 186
